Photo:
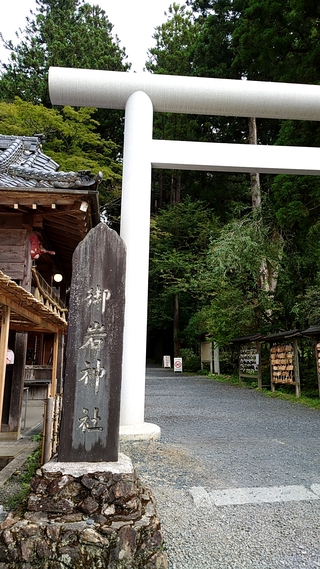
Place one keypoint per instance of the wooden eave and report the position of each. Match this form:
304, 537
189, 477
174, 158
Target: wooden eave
64, 216
28, 313
247, 339
283, 336
312, 331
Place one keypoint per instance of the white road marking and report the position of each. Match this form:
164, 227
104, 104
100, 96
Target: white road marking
316, 489
238, 496
200, 496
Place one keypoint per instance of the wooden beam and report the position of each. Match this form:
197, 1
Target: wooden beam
27, 327
75, 207
5, 325
43, 196
29, 315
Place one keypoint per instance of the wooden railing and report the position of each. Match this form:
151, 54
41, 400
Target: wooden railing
44, 293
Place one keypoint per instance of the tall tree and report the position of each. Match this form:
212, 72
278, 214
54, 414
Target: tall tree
60, 33
171, 56
279, 41
174, 39
68, 33
179, 240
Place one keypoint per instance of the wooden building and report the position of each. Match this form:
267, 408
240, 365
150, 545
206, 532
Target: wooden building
44, 214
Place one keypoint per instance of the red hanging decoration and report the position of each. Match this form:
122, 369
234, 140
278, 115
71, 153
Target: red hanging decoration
36, 249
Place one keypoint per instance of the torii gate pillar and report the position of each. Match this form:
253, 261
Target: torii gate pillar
135, 229
140, 94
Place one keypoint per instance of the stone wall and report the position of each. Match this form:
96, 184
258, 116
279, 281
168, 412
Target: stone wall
82, 516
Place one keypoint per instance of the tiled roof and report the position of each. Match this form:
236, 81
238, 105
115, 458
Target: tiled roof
23, 164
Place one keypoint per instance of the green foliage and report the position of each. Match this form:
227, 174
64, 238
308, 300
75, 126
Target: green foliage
311, 401
18, 501
60, 33
178, 243
174, 38
190, 361
233, 302
222, 378
255, 39
67, 33
307, 307
279, 41
71, 139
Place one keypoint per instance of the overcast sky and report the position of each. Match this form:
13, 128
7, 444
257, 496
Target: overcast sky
133, 20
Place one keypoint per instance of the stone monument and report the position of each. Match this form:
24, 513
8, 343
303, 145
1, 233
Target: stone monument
91, 403
88, 509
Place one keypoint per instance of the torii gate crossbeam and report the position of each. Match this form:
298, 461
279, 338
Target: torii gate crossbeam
140, 95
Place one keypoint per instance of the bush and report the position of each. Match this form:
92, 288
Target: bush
190, 361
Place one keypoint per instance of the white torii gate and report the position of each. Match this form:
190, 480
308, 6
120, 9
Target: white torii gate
140, 95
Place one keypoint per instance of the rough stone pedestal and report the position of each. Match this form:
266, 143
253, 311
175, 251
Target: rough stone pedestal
85, 516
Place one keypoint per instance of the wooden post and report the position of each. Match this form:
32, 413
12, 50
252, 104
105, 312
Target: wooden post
296, 367
47, 430
273, 388
317, 355
20, 350
60, 363
49, 406
216, 359
259, 365
5, 325
239, 363
54, 365
91, 403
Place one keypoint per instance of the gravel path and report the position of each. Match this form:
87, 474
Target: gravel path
217, 438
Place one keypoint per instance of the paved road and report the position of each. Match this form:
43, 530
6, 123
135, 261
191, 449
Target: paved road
236, 475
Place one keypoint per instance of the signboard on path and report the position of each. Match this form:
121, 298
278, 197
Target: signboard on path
177, 364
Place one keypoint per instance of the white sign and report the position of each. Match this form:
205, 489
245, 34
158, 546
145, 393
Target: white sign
166, 361
177, 364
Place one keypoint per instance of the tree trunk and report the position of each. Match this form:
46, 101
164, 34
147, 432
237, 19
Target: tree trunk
178, 189
268, 276
254, 176
160, 202
176, 343
172, 192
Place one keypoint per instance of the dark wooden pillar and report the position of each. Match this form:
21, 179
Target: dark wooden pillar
20, 353
60, 363
4, 335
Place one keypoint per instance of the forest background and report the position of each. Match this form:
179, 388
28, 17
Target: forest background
231, 254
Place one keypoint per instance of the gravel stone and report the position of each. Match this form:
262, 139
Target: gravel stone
219, 436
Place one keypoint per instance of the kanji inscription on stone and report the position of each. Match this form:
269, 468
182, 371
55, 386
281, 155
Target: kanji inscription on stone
91, 403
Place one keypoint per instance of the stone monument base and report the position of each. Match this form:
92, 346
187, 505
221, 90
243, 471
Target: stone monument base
83, 516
